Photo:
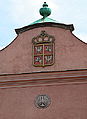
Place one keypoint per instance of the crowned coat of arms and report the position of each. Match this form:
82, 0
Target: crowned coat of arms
43, 50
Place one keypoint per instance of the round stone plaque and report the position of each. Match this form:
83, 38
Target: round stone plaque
42, 101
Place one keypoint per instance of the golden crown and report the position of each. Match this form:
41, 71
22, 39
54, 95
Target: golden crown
43, 38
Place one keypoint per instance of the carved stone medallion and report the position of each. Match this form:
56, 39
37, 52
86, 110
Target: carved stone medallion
43, 50
42, 101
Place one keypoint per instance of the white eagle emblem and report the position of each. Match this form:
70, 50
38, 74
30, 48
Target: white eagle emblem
43, 50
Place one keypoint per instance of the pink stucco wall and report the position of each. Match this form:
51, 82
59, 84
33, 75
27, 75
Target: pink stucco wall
68, 98
67, 102
70, 53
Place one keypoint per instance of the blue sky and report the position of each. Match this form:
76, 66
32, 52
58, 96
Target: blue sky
18, 13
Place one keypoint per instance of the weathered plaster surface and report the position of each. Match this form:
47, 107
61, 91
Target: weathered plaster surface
67, 102
70, 53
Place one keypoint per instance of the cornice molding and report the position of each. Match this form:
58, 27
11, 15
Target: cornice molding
43, 79
46, 24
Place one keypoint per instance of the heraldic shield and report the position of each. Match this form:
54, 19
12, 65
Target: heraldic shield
43, 50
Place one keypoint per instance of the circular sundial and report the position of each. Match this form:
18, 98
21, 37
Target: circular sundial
42, 101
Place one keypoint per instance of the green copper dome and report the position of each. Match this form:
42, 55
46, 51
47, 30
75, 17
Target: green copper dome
45, 21
45, 11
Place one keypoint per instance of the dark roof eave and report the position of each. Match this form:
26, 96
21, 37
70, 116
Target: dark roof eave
45, 24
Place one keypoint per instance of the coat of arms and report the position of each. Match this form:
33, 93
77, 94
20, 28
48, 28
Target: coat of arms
43, 49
